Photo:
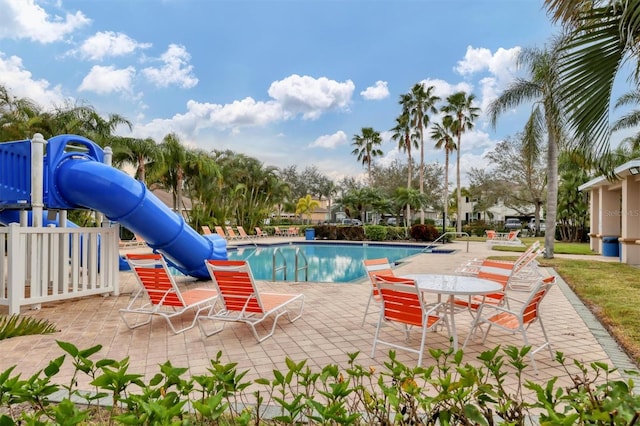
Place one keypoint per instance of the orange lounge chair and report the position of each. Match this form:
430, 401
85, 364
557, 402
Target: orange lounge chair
243, 302
231, 234
243, 233
159, 294
206, 230
220, 231
260, 233
505, 239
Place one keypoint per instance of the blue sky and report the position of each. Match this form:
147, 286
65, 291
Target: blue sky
288, 82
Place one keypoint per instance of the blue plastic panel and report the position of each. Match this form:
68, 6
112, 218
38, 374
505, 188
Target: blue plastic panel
15, 174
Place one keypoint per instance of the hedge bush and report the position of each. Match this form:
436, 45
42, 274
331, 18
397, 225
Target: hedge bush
449, 392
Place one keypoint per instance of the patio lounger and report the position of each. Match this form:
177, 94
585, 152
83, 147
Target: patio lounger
160, 295
242, 301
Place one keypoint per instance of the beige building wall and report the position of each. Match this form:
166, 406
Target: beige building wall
615, 210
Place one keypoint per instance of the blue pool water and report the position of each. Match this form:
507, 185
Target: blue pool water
331, 263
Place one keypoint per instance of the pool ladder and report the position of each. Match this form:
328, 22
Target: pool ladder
299, 258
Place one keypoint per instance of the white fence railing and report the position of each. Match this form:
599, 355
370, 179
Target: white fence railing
50, 264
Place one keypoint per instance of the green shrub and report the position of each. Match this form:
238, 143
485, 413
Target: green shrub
376, 232
396, 233
450, 391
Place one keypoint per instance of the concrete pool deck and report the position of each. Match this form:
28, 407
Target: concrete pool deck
326, 333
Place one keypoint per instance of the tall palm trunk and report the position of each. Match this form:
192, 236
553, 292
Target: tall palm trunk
409, 173
446, 190
552, 192
421, 171
458, 186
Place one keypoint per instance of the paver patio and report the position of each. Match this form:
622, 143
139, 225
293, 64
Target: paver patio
326, 333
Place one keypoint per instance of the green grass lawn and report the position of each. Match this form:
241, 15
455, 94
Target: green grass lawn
611, 290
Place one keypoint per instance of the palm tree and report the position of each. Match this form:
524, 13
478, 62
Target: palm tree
174, 156
543, 88
442, 133
420, 103
602, 37
410, 197
460, 107
407, 140
630, 119
306, 205
367, 147
139, 153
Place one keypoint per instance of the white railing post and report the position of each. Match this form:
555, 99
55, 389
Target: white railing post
37, 178
15, 269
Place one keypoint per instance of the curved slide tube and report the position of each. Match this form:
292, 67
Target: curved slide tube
121, 198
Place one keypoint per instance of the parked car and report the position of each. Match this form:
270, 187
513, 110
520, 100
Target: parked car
352, 222
512, 224
532, 225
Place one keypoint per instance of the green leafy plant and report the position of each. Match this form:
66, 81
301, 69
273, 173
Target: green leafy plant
15, 325
451, 391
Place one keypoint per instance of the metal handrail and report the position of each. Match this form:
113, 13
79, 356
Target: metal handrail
430, 246
283, 267
297, 268
305, 267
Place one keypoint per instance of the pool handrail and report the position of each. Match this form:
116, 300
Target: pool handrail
297, 268
430, 246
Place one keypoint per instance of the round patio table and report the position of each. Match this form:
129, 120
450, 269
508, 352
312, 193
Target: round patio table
452, 286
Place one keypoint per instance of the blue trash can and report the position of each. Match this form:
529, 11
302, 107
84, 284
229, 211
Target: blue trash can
610, 246
310, 234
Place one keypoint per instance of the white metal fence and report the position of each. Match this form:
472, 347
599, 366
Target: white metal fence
50, 264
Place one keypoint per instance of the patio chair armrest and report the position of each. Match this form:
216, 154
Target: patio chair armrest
494, 307
434, 308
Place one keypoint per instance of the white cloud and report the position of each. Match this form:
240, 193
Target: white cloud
198, 116
105, 80
25, 19
330, 141
21, 84
501, 67
109, 43
443, 88
379, 91
310, 96
246, 112
176, 69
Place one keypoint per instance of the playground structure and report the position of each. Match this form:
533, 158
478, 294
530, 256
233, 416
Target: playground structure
46, 257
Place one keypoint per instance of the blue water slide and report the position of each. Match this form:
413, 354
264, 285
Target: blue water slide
79, 180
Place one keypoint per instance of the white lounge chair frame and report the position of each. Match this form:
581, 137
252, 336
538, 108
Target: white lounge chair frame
159, 295
241, 301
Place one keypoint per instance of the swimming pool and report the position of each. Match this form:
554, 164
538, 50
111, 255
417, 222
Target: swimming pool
329, 263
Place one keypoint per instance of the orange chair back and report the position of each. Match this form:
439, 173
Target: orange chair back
152, 274
401, 299
531, 308
377, 267
235, 284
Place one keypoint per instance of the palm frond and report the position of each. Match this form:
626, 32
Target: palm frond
15, 325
